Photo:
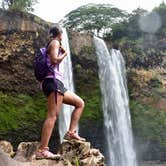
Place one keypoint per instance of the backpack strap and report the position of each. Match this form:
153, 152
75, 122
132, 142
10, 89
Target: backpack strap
51, 69
50, 42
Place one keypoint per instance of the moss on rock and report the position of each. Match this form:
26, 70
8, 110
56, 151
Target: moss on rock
21, 116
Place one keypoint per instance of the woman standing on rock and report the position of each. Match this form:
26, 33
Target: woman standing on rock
56, 54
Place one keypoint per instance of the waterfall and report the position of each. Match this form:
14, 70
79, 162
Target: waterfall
66, 68
117, 121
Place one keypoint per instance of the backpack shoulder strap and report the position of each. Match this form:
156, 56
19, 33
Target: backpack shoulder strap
49, 44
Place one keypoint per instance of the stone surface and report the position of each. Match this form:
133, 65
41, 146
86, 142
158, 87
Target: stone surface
81, 151
25, 151
5, 160
7, 147
73, 153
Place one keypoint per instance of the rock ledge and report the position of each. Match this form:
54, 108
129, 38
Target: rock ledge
74, 153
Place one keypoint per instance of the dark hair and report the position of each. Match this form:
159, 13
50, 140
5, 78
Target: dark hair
55, 30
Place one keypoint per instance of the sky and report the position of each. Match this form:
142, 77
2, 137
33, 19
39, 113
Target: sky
55, 10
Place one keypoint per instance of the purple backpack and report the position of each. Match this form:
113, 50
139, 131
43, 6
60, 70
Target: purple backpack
40, 65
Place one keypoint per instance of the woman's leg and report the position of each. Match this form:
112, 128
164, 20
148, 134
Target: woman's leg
52, 114
73, 99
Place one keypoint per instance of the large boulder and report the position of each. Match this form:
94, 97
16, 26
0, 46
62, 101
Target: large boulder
81, 152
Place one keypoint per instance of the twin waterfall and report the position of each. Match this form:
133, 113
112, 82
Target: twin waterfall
115, 106
115, 102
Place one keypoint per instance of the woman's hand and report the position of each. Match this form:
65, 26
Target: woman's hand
63, 51
53, 52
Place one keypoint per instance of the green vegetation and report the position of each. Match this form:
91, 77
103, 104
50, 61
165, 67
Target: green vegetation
148, 122
161, 10
87, 83
19, 5
93, 17
21, 112
143, 48
155, 83
76, 161
90, 92
111, 22
128, 28
93, 108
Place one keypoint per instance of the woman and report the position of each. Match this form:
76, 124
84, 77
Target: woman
56, 54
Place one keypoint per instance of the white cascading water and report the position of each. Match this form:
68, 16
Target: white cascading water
66, 68
117, 121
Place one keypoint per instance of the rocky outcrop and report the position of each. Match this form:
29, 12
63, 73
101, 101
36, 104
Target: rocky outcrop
72, 153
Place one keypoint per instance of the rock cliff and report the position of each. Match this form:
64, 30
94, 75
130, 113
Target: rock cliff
21, 35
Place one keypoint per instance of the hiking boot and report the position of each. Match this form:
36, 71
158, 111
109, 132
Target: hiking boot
73, 136
46, 154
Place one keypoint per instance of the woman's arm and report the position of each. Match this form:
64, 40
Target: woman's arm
53, 52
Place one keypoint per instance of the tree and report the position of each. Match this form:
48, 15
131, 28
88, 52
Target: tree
96, 18
128, 28
161, 10
118, 31
20, 5
134, 30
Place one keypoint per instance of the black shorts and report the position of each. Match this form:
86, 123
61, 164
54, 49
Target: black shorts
49, 86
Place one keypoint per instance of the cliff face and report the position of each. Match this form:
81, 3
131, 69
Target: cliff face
20, 35
85, 70
22, 106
